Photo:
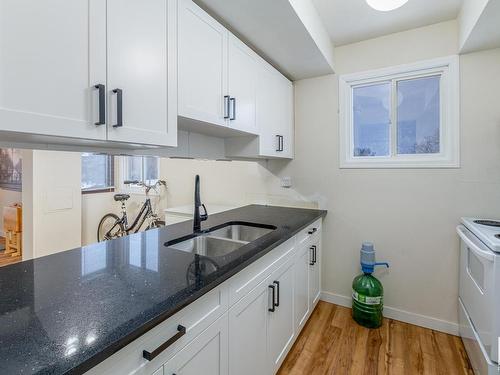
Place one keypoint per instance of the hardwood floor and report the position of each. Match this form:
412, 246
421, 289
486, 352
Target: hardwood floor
6, 259
332, 343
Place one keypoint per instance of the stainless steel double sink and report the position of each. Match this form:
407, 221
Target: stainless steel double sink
221, 240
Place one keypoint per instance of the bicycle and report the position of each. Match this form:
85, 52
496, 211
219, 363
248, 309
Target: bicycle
112, 226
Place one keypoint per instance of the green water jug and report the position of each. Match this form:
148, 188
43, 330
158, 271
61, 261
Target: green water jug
367, 291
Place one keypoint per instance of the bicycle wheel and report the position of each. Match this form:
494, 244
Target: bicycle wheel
156, 224
109, 228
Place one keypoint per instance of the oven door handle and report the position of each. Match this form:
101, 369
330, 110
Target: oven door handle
484, 254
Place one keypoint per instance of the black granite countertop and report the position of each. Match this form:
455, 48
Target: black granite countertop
67, 312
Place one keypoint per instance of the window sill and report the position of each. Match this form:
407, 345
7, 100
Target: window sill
399, 164
95, 191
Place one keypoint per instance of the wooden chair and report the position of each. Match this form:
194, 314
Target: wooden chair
13, 228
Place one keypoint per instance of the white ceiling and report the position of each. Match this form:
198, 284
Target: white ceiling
349, 21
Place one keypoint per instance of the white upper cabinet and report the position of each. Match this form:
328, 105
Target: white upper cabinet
52, 53
242, 71
90, 69
140, 73
202, 65
275, 113
274, 119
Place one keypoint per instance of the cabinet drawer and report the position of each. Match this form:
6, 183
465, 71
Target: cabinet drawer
244, 281
195, 318
309, 233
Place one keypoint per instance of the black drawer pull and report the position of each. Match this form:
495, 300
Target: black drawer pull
311, 262
273, 289
312, 231
226, 106
232, 109
181, 331
102, 104
119, 108
277, 283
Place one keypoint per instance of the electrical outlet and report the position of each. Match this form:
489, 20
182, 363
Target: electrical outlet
286, 182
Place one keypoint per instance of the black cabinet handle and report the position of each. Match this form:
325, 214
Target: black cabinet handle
312, 231
280, 143
314, 254
277, 283
102, 104
181, 331
273, 290
311, 261
232, 109
119, 108
226, 106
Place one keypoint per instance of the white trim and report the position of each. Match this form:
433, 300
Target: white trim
449, 157
398, 314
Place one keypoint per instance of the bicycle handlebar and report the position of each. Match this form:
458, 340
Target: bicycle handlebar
141, 183
131, 182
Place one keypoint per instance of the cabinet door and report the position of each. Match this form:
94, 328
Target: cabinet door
53, 52
206, 354
202, 65
274, 112
141, 63
315, 276
242, 76
281, 327
301, 287
248, 333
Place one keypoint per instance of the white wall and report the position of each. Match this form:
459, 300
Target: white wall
409, 214
7, 198
51, 202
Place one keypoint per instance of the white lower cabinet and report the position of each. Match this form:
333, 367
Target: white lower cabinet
245, 326
281, 325
207, 354
248, 332
301, 287
315, 273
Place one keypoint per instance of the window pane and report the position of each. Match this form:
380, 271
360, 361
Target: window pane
97, 171
150, 169
371, 115
134, 168
418, 116
11, 169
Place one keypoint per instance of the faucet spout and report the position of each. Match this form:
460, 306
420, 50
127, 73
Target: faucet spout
198, 217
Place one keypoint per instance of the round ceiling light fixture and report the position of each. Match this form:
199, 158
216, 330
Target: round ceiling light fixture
386, 5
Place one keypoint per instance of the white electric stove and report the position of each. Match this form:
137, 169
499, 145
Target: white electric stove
479, 293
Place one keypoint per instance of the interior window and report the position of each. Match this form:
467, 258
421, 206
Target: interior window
406, 116
11, 169
141, 168
97, 172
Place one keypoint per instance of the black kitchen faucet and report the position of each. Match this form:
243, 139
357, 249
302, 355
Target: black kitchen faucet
198, 217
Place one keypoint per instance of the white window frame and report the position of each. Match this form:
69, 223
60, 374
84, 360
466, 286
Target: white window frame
134, 189
449, 155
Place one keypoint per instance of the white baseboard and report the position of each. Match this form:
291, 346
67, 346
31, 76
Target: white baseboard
401, 315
